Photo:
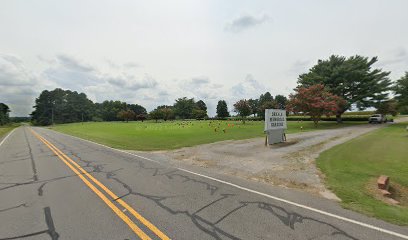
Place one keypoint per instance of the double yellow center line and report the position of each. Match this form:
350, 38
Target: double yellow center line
81, 173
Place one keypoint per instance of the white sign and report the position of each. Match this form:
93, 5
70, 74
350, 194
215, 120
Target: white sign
275, 119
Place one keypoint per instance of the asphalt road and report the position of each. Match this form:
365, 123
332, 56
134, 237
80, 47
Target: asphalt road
53, 186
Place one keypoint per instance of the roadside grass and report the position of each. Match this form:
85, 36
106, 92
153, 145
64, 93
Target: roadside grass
150, 136
7, 128
351, 168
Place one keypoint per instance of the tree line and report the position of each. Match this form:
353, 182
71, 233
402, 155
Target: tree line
65, 106
183, 108
330, 87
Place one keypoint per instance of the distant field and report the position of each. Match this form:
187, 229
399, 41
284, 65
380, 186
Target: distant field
351, 170
148, 136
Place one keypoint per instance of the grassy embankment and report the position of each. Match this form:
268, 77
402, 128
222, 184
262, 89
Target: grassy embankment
6, 129
351, 170
171, 135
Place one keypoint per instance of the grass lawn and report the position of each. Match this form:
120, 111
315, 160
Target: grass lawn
149, 135
7, 128
352, 168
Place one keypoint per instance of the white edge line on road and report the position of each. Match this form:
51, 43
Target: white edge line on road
256, 192
5, 138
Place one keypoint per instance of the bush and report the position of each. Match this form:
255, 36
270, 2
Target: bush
365, 113
355, 118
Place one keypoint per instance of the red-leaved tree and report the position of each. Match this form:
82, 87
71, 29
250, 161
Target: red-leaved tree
315, 102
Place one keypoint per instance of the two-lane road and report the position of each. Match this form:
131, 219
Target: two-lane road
54, 186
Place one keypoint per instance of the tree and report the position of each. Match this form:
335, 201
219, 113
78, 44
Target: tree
126, 115
222, 109
200, 104
314, 101
167, 113
401, 93
267, 105
254, 105
141, 117
388, 107
281, 101
65, 106
110, 110
264, 98
199, 114
184, 107
200, 110
352, 79
61, 106
267, 97
156, 114
4, 114
137, 109
243, 109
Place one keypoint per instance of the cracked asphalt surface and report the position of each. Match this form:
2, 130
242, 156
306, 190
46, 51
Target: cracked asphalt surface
41, 198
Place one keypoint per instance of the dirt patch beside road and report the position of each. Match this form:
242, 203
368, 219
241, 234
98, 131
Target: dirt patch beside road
290, 164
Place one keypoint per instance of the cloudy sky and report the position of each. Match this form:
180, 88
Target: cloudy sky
151, 52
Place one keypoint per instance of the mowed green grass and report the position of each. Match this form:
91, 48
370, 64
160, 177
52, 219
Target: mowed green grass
148, 136
351, 166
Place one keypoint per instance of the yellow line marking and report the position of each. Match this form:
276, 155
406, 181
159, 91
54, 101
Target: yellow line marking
115, 209
143, 220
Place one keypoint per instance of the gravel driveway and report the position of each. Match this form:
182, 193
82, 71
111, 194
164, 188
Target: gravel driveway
290, 164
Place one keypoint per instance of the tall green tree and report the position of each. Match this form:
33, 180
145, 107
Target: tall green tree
200, 111
254, 104
4, 114
222, 109
354, 79
401, 93
267, 97
263, 101
200, 104
183, 107
281, 101
243, 109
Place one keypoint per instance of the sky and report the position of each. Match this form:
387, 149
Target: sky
153, 52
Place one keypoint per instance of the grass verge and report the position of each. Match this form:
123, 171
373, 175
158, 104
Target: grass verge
6, 129
148, 136
351, 167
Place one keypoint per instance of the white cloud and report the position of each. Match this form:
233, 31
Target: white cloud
248, 88
299, 67
17, 85
13, 72
398, 56
141, 49
245, 22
